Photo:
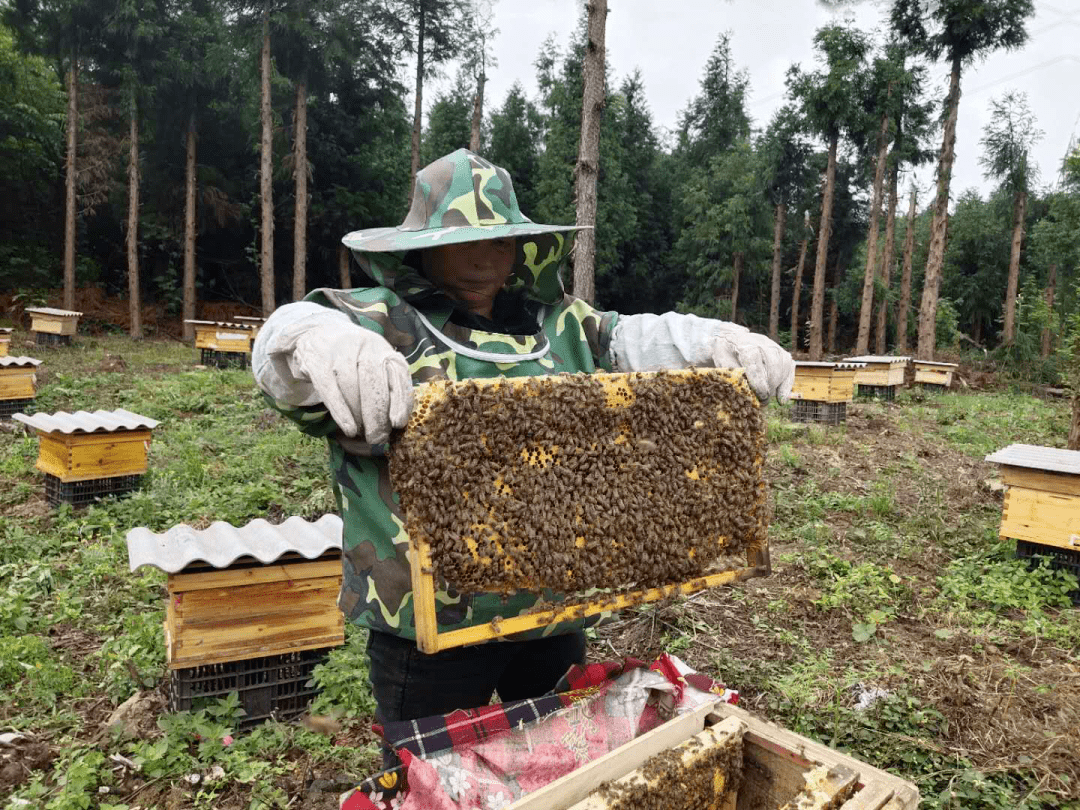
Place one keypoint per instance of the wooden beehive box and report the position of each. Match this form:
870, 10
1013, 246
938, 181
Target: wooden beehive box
253, 321
18, 379
536, 456
5, 341
223, 336
1042, 502
928, 373
84, 446
825, 382
50, 321
240, 593
771, 769
880, 371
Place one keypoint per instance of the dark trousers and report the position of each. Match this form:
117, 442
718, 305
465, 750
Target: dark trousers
408, 684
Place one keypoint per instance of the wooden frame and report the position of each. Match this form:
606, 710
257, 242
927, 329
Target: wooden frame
222, 336
53, 321
90, 456
934, 373
430, 640
249, 611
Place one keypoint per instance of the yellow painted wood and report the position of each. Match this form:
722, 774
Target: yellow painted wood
89, 456
1047, 518
17, 383
935, 376
5, 344
1043, 480
817, 384
53, 324
223, 338
237, 577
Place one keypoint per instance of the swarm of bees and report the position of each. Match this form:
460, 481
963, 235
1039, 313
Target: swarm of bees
579, 482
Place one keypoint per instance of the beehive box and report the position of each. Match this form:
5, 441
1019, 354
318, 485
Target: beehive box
882, 376
722, 757
614, 489
253, 321
931, 374
18, 384
53, 326
238, 594
822, 391
1042, 502
223, 343
5, 341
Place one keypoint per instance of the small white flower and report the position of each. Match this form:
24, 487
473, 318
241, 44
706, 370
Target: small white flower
458, 782
497, 801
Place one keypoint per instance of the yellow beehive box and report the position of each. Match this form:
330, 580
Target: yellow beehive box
880, 370
5, 341
84, 446
240, 593
18, 378
50, 321
223, 336
1042, 502
824, 382
253, 321
929, 373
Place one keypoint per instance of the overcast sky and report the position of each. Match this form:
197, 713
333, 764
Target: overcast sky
671, 41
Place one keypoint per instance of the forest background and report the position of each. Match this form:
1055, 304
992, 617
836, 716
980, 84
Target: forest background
172, 103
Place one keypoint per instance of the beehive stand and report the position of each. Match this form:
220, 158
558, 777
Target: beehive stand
251, 610
934, 376
430, 640
53, 327
5, 341
88, 456
882, 376
18, 385
822, 391
1042, 504
224, 344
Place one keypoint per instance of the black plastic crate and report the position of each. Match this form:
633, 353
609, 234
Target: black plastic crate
934, 388
84, 493
883, 392
49, 339
826, 413
10, 406
212, 357
278, 686
1063, 559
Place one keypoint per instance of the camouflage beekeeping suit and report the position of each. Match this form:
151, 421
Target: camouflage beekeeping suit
458, 198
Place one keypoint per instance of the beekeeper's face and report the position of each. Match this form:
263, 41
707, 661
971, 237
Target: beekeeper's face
471, 272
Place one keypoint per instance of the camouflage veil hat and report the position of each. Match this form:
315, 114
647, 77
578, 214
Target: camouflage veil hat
458, 198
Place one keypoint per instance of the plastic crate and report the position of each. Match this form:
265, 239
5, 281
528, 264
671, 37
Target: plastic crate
84, 493
49, 339
826, 413
217, 359
10, 406
1062, 559
277, 686
884, 392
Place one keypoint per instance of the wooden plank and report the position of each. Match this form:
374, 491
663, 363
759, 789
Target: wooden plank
423, 585
123, 455
1028, 478
871, 797
811, 387
933, 376
237, 577
53, 455
578, 784
17, 386
230, 607
1047, 518
278, 648
873, 375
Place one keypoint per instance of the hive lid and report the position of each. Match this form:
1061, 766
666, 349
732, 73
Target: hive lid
66, 313
1038, 458
877, 358
85, 422
257, 319
19, 362
6, 330
931, 363
221, 544
225, 324
826, 364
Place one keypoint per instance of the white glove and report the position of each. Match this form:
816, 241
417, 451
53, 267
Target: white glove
358, 376
769, 368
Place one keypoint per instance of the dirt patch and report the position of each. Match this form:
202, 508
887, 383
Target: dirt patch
74, 641
19, 757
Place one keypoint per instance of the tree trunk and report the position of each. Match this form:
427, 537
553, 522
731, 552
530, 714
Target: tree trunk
418, 105
134, 306
817, 306
477, 113
904, 304
834, 309
588, 163
266, 169
189, 232
1051, 283
1074, 425
887, 263
300, 168
939, 226
796, 291
736, 272
777, 257
344, 267
1019, 206
862, 340
69, 194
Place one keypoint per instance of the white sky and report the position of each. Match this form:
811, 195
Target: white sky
671, 41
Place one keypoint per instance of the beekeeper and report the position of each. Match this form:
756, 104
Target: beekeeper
465, 287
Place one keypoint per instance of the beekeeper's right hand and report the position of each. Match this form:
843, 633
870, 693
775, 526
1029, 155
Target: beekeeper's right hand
306, 353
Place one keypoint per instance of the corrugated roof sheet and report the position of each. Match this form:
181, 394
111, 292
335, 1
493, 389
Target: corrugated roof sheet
1052, 459
19, 362
85, 422
52, 311
929, 363
824, 364
7, 330
878, 358
222, 544
225, 324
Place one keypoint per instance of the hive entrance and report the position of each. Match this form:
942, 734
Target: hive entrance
573, 483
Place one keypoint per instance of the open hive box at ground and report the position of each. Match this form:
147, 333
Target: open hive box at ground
596, 491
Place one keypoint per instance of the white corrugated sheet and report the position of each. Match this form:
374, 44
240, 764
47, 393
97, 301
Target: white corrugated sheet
222, 544
18, 362
6, 330
85, 422
878, 358
942, 365
1033, 456
825, 364
223, 324
52, 311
